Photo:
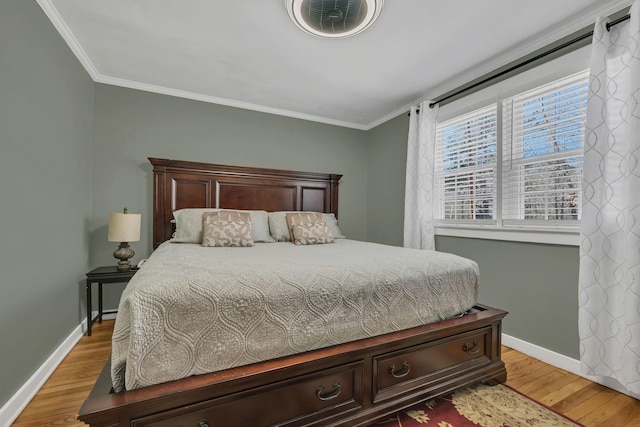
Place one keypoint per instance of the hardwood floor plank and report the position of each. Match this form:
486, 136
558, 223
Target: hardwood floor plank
601, 415
537, 378
552, 383
593, 405
634, 423
574, 399
575, 384
628, 416
584, 409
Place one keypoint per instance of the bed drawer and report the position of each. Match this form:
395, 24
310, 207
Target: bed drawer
289, 402
403, 370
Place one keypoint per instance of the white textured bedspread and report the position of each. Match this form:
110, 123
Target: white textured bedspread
192, 310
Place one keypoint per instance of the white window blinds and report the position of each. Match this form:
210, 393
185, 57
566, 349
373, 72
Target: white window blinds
524, 170
465, 169
543, 133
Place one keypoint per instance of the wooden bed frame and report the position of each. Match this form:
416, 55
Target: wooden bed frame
350, 384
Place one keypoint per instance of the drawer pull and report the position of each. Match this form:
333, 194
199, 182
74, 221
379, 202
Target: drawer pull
337, 388
203, 423
403, 373
471, 349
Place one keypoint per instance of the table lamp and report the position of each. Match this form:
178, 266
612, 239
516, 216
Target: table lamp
124, 228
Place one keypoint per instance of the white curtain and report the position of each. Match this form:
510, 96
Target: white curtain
418, 200
609, 288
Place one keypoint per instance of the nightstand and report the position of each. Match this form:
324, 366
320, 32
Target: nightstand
102, 275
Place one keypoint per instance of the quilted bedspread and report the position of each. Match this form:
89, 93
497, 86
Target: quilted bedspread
191, 310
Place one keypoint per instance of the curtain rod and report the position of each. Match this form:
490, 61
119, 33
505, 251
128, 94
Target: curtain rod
489, 77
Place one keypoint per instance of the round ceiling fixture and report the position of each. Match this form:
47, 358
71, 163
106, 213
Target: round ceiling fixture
334, 18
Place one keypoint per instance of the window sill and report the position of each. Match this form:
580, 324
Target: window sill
514, 234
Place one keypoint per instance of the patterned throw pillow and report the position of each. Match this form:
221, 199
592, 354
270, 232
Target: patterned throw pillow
227, 228
302, 218
311, 234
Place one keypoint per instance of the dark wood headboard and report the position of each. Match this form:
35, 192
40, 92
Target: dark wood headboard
181, 184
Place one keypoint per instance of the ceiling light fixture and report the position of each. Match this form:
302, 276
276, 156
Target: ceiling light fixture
334, 18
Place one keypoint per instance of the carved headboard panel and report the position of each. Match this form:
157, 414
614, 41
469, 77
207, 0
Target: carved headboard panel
180, 184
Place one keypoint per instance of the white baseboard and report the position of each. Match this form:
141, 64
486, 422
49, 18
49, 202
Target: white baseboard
552, 358
14, 407
560, 361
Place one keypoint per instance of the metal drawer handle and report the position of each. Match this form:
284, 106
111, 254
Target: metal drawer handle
337, 388
470, 348
403, 373
203, 423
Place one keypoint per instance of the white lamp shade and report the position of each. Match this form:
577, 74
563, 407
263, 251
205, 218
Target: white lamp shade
124, 227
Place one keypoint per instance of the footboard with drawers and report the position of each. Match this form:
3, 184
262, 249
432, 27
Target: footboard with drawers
345, 385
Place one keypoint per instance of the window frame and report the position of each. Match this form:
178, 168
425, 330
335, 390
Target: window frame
547, 233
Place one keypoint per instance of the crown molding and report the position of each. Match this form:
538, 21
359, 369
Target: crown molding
585, 18
67, 35
222, 101
55, 18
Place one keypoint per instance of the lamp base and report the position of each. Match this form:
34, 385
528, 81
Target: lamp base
123, 253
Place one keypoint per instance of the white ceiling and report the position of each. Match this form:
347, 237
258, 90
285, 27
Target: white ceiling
249, 54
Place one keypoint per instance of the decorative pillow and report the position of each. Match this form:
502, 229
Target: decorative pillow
281, 232
294, 218
189, 225
227, 228
311, 234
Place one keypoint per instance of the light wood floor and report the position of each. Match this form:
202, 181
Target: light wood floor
57, 403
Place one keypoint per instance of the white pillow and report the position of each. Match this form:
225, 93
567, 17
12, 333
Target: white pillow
189, 225
280, 232
278, 226
332, 222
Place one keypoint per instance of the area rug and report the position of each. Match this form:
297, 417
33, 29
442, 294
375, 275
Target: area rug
479, 405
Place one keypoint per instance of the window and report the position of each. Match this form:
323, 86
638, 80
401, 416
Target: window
540, 148
542, 157
466, 166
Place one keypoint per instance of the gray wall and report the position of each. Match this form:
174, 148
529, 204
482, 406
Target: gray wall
46, 103
537, 284
132, 125
387, 150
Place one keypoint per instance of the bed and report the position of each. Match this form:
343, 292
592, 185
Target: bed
351, 375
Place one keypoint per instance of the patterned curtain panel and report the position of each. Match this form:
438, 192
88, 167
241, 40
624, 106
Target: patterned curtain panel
609, 288
418, 199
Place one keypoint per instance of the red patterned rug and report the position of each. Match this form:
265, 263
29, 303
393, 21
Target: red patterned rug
479, 405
